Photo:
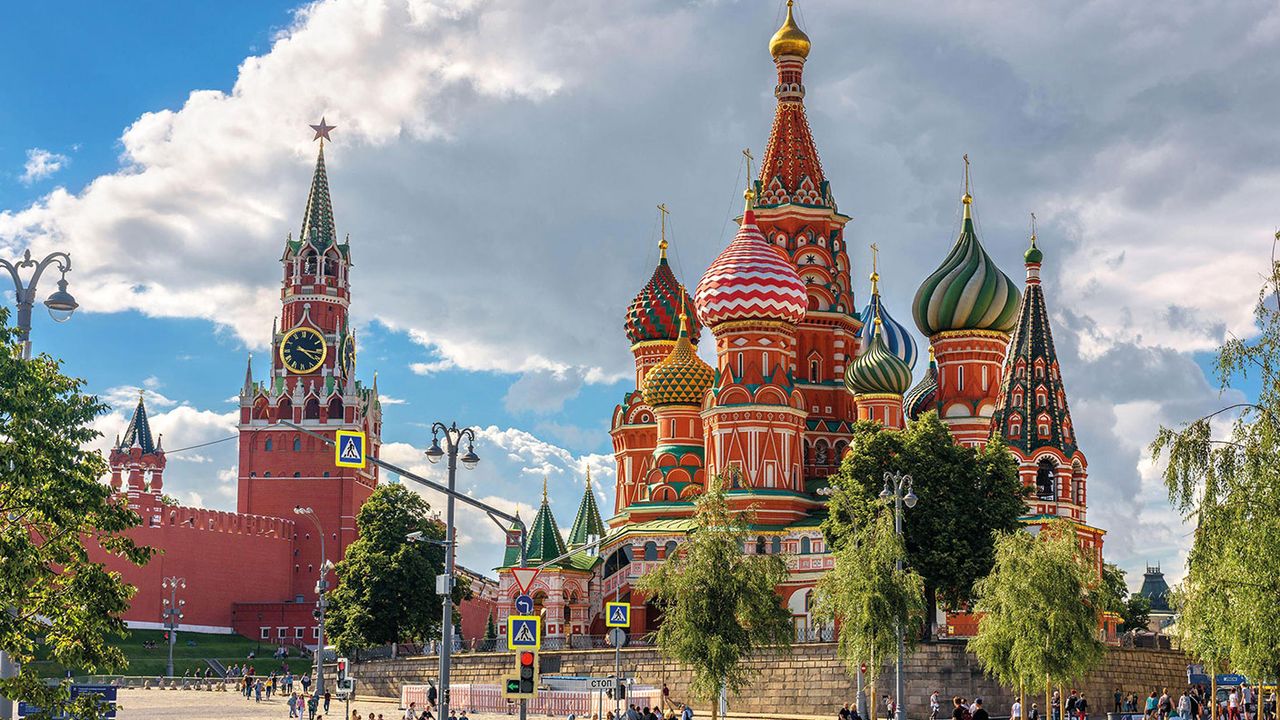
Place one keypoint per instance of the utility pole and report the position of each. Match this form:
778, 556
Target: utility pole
898, 487
321, 586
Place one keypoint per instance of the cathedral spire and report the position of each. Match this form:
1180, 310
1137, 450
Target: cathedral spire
587, 522
248, 376
791, 171
138, 433
317, 220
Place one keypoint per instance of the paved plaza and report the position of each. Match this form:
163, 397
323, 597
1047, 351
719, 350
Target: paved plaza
195, 705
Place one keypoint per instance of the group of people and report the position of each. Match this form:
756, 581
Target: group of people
412, 712
635, 712
1236, 703
308, 707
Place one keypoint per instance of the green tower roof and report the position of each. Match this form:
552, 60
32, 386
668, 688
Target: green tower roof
587, 522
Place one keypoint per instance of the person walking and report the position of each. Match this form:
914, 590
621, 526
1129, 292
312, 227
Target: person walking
1119, 698
1082, 707
1034, 712
935, 705
1149, 710
326, 701
980, 713
1015, 712
1055, 706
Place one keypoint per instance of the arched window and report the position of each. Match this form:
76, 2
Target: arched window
1042, 398
805, 546
309, 264
335, 409
568, 612
760, 545
297, 444
775, 545
671, 548
286, 409
651, 550
1046, 483
311, 410
813, 371
266, 474
297, 474
266, 446
960, 377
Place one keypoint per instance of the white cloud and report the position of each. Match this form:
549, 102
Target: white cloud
388, 400
41, 164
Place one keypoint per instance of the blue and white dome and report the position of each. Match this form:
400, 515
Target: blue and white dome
895, 335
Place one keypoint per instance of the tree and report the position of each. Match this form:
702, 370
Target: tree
387, 585
53, 504
490, 629
1223, 473
869, 596
718, 604
1039, 609
1136, 613
966, 497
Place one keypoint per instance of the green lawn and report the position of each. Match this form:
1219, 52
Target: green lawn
188, 655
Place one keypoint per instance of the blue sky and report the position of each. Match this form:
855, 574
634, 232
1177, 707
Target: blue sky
497, 164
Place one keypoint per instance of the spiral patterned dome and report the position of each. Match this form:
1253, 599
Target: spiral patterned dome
750, 280
896, 336
878, 370
968, 291
654, 314
924, 396
681, 378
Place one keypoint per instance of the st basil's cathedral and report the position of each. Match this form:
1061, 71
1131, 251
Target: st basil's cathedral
797, 364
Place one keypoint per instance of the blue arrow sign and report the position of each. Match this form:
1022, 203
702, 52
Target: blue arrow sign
524, 605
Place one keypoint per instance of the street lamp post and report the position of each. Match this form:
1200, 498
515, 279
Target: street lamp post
321, 586
898, 487
172, 612
60, 303
453, 436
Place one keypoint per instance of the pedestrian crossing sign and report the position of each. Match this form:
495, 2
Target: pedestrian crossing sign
524, 632
617, 614
349, 449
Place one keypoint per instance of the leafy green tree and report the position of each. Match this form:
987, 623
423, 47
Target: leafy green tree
1136, 613
718, 604
53, 504
1223, 473
966, 496
869, 596
1039, 608
1114, 591
387, 585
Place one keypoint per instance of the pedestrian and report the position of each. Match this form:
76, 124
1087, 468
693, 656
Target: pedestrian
1072, 700
1119, 698
1034, 713
1233, 705
411, 712
1149, 709
959, 712
1082, 707
980, 713
1015, 711
935, 705
1055, 706
666, 696
431, 695
326, 701
686, 712
306, 683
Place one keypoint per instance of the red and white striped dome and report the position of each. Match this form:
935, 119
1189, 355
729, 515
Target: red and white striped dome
750, 280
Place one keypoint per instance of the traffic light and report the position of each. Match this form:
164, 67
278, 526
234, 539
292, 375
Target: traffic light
342, 669
622, 689
528, 672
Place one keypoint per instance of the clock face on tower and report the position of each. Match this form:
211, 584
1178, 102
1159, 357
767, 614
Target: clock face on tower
302, 350
347, 356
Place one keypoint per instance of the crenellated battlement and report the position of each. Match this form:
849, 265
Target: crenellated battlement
156, 514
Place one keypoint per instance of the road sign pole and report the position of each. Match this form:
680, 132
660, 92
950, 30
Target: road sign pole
617, 681
524, 562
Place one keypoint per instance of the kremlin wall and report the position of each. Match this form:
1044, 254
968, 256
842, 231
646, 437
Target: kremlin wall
797, 363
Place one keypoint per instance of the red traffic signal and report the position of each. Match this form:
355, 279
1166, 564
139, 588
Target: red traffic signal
527, 672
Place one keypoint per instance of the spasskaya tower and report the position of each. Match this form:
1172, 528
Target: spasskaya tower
312, 383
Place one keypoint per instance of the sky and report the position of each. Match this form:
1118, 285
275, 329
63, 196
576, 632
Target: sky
497, 165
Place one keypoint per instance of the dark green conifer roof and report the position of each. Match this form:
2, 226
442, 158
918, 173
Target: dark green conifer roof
139, 430
1030, 347
587, 522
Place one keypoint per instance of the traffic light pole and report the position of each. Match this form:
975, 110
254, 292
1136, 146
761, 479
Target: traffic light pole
524, 562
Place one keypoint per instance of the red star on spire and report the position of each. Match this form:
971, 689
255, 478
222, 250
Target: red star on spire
323, 130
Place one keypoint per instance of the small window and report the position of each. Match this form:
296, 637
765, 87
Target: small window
651, 550
266, 474
282, 632
984, 377
326, 473
299, 633
805, 546
760, 546
775, 546
315, 632
267, 445
960, 377
264, 633
297, 474
297, 444
813, 371
1015, 430
670, 548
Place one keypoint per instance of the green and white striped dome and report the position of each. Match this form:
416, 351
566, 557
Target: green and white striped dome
878, 370
968, 291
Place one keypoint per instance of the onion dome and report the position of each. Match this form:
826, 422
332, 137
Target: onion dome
878, 370
924, 396
681, 378
968, 291
751, 280
896, 336
1033, 255
790, 39
654, 314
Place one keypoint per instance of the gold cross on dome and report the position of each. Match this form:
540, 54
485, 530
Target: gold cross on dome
746, 152
662, 243
875, 255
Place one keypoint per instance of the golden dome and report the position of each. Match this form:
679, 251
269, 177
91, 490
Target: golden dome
790, 39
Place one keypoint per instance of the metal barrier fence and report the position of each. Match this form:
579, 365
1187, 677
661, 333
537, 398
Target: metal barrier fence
161, 682
489, 699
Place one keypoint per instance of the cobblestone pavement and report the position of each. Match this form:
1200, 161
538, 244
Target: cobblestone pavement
197, 705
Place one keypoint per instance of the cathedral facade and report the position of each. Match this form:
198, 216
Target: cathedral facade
798, 362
